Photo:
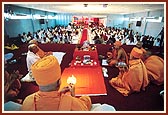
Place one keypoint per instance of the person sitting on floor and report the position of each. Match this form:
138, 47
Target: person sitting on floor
47, 73
32, 57
134, 78
12, 86
155, 68
40, 52
117, 54
139, 45
76, 38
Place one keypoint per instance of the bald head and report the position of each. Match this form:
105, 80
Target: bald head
139, 44
33, 42
33, 48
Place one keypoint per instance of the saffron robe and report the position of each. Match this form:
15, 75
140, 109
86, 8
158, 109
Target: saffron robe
132, 80
155, 69
54, 101
118, 56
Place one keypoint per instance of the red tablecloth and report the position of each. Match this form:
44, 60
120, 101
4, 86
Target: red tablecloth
90, 80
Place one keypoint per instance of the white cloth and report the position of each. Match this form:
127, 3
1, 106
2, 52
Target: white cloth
102, 107
59, 56
31, 59
104, 72
104, 62
45, 41
128, 42
27, 78
24, 38
69, 28
75, 39
156, 43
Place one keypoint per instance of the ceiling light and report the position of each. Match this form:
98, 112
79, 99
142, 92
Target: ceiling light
105, 5
85, 5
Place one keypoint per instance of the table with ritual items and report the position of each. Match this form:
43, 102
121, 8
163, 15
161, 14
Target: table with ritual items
87, 71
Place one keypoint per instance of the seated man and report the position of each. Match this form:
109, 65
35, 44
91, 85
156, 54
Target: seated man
12, 86
155, 68
118, 54
32, 57
47, 73
139, 46
134, 78
76, 38
40, 52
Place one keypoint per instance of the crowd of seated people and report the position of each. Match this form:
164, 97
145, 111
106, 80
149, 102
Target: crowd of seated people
57, 34
108, 35
96, 35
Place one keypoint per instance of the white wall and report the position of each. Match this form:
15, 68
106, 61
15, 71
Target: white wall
115, 20
146, 28
153, 28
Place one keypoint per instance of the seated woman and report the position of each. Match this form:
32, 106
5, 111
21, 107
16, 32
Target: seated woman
117, 54
134, 78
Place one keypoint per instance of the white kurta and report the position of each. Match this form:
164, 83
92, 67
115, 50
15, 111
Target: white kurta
31, 59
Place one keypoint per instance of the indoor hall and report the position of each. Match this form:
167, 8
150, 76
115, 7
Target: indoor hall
80, 35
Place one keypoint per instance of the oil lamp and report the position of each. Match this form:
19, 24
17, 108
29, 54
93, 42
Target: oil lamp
71, 80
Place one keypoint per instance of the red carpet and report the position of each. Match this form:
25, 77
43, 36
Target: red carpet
84, 36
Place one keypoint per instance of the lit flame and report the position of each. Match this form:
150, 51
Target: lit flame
71, 80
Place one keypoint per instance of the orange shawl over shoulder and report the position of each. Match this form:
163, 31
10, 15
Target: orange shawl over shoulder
133, 80
155, 69
53, 101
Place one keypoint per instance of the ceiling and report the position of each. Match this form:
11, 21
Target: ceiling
97, 8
